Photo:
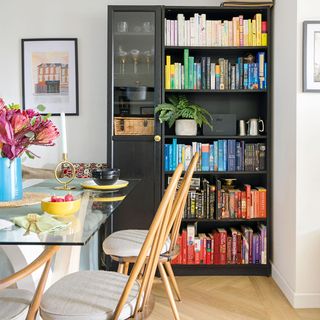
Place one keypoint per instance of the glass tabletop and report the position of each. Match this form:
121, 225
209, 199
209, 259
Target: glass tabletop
96, 207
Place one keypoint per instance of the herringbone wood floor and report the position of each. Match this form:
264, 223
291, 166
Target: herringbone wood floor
229, 298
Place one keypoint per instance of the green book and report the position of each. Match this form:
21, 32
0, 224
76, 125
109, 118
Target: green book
186, 69
190, 74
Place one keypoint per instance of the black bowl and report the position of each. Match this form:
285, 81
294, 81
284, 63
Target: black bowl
106, 176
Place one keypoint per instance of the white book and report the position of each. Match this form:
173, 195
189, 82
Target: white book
196, 28
188, 36
176, 75
192, 32
230, 36
165, 32
191, 232
168, 33
245, 33
225, 33
175, 32
214, 33
172, 32
187, 156
209, 30
203, 29
181, 20
219, 33
213, 76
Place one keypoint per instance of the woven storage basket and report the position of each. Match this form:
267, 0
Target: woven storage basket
124, 126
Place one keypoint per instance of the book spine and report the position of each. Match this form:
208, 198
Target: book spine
190, 73
208, 73
258, 26
203, 73
166, 157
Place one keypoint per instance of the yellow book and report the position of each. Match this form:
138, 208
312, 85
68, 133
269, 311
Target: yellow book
264, 39
258, 26
167, 72
249, 32
172, 72
254, 30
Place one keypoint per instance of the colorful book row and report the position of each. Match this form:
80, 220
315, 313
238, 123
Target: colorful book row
221, 155
198, 31
223, 246
221, 74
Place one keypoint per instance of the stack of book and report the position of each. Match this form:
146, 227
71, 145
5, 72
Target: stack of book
198, 31
241, 203
221, 155
222, 246
221, 74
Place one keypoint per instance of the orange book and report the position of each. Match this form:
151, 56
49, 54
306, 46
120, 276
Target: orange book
248, 199
262, 202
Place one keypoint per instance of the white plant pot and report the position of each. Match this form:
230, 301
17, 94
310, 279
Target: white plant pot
186, 127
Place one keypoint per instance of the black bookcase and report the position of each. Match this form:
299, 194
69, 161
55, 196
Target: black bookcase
142, 157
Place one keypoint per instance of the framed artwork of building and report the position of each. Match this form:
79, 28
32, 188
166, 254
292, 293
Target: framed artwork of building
50, 75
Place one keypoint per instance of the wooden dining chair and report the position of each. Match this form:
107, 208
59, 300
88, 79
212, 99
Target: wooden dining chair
123, 246
19, 304
89, 295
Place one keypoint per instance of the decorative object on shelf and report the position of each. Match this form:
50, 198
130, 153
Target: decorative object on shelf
147, 27
229, 183
122, 26
123, 58
65, 162
179, 109
125, 126
19, 130
50, 74
311, 56
148, 55
136, 93
247, 3
253, 127
222, 125
242, 128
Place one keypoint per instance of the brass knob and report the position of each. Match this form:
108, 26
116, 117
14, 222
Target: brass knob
157, 138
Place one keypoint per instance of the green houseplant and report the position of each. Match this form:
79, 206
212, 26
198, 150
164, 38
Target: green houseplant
185, 115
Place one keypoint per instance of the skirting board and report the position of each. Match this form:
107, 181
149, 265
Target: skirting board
297, 300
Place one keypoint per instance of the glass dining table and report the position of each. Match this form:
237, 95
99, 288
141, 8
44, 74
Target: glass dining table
96, 207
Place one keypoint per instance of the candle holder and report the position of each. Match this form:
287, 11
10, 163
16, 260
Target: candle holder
65, 183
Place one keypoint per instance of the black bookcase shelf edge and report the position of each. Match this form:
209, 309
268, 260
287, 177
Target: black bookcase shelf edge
216, 173
216, 137
213, 91
215, 48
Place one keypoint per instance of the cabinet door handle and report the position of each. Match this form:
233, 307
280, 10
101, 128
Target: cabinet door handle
157, 138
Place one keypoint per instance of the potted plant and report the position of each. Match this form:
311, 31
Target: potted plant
186, 116
19, 130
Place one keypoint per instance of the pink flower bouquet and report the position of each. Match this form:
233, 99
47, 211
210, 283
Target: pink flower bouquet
20, 129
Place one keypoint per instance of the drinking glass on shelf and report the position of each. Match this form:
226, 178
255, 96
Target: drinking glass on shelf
122, 26
147, 26
123, 58
148, 55
135, 53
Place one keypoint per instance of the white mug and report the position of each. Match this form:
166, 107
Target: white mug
253, 127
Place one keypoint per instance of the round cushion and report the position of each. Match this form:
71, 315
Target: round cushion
128, 243
88, 295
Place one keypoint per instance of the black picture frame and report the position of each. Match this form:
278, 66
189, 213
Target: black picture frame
310, 50
57, 90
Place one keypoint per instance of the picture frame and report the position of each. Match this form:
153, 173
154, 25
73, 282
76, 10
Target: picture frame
50, 75
311, 56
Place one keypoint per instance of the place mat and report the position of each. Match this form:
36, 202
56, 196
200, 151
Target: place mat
29, 198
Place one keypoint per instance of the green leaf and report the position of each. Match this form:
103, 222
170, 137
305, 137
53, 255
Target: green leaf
33, 121
41, 107
14, 106
31, 156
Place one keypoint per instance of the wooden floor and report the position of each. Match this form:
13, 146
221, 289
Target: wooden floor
229, 298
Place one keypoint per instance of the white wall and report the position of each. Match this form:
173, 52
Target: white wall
296, 223
85, 20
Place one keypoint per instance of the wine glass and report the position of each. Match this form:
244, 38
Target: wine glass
123, 58
135, 53
148, 55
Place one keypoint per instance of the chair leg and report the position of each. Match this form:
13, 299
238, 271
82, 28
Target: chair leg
169, 291
120, 267
168, 267
126, 268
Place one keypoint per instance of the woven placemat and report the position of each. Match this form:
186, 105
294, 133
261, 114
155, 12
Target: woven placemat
29, 198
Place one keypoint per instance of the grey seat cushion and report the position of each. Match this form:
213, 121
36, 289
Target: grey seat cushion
87, 295
14, 304
127, 243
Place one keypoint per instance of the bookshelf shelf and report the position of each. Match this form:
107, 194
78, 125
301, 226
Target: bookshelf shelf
223, 173
224, 221
262, 137
213, 91
204, 48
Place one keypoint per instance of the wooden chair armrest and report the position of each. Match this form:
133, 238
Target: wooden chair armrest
45, 256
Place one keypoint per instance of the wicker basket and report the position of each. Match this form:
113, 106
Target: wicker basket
125, 126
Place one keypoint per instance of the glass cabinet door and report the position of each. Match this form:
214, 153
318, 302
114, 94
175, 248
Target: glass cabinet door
134, 60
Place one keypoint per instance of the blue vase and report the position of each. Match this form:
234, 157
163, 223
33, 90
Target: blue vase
10, 179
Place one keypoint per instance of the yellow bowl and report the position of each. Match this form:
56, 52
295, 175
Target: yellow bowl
61, 209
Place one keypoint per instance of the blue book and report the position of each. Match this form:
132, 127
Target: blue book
170, 157
179, 154
238, 156
231, 155
265, 75
242, 155
166, 157
205, 161
198, 76
255, 76
211, 157
225, 155
215, 156
245, 76
194, 76
220, 155
174, 154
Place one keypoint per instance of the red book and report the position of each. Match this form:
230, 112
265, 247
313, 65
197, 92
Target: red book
262, 202
256, 204
212, 248
239, 211
234, 233
203, 257
223, 245
216, 252
248, 198
229, 250
243, 205
239, 248
190, 243
184, 246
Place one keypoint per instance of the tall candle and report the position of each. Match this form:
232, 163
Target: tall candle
64, 133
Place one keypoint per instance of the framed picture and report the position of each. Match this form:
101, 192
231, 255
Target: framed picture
50, 75
311, 56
